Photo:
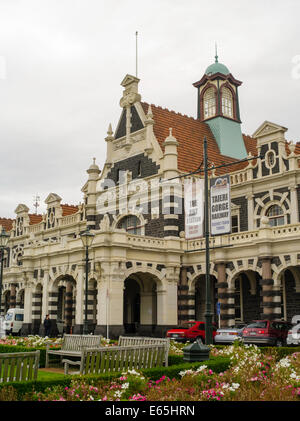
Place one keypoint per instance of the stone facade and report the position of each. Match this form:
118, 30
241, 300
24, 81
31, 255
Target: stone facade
144, 276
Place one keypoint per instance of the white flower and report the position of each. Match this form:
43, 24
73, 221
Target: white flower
284, 362
125, 385
183, 373
293, 375
201, 368
118, 394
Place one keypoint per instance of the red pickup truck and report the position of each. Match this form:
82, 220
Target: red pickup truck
189, 332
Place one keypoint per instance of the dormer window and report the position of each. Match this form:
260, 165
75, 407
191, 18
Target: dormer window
227, 103
270, 159
131, 224
275, 215
209, 103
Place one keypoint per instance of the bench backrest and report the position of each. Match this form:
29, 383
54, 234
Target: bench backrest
78, 342
19, 366
121, 358
145, 340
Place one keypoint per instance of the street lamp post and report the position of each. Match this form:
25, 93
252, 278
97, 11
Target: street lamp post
4, 237
208, 312
87, 238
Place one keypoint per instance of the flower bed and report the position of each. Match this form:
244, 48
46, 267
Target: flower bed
248, 374
31, 341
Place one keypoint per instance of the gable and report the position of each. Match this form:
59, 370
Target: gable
268, 128
135, 123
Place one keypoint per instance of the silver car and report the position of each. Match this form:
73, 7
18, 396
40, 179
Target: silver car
293, 337
228, 335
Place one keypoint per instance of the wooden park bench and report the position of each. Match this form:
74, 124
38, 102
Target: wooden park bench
145, 340
72, 345
19, 366
117, 359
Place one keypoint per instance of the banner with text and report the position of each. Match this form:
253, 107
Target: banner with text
220, 211
193, 208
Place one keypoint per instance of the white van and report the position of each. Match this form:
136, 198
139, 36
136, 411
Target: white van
13, 321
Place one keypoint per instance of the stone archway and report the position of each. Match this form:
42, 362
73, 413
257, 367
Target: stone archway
200, 297
290, 292
37, 302
132, 306
20, 298
6, 301
140, 307
61, 303
246, 290
92, 304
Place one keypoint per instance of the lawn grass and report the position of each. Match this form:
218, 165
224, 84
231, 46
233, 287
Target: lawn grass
48, 375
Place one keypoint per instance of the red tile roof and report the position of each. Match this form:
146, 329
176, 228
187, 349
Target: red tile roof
6, 223
34, 218
190, 133
68, 209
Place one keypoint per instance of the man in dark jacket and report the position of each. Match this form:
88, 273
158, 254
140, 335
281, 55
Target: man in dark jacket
47, 325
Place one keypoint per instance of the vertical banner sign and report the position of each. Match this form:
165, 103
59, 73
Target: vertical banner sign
193, 208
220, 212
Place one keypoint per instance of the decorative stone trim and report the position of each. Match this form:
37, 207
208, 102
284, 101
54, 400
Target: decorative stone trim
266, 282
227, 306
221, 285
270, 293
186, 316
186, 307
225, 295
269, 304
186, 297
183, 288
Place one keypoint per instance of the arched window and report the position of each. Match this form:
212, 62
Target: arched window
275, 215
227, 103
209, 103
131, 224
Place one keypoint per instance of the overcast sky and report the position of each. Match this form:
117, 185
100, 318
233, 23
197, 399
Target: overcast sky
62, 62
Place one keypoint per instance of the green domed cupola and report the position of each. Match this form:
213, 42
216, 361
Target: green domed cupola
218, 107
217, 68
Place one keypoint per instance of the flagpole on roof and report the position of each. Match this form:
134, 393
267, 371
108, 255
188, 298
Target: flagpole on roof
136, 54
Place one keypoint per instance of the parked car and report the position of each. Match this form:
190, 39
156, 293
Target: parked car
227, 335
13, 321
190, 331
266, 332
293, 337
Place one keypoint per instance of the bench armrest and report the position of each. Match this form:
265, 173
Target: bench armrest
69, 362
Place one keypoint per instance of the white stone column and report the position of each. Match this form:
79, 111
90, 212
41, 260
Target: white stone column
110, 300
167, 304
294, 205
45, 299
250, 212
28, 302
115, 304
102, 303
147, 314
79, 296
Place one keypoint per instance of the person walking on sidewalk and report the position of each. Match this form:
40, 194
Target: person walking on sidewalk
47, 325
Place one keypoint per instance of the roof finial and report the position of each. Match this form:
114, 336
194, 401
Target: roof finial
216, 56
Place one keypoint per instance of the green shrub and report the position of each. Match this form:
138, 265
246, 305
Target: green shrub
217, 365
281, 351
175, 359
16, 348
